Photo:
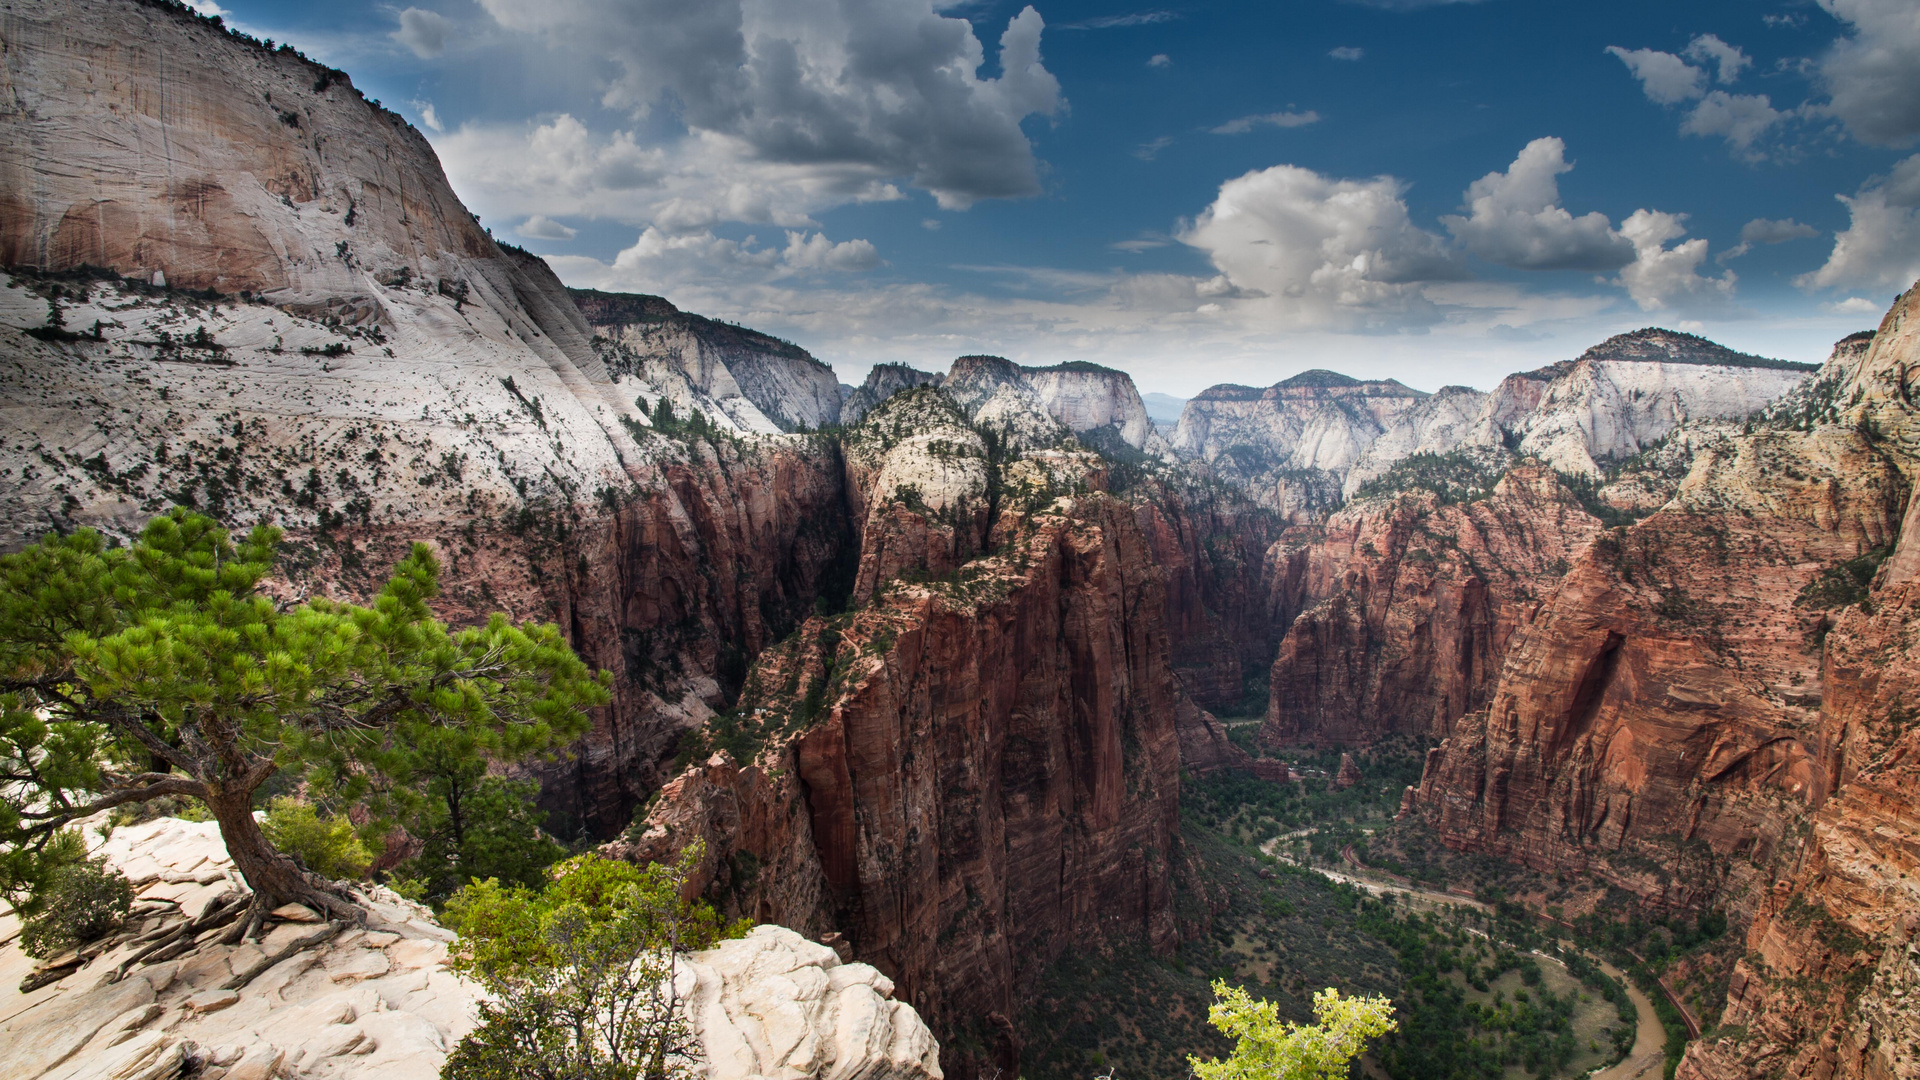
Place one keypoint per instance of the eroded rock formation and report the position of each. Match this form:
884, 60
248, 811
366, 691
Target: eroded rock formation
759, 382
1305, 444
967, 775
1399, 610
380, 1001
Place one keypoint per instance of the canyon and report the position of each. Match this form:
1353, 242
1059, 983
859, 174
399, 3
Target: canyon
922, 662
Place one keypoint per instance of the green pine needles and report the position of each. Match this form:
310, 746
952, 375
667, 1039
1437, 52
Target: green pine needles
163, 669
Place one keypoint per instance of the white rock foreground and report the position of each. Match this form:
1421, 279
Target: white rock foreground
380, 1001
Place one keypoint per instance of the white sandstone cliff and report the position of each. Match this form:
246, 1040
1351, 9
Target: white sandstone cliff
380, 1004
1309, 442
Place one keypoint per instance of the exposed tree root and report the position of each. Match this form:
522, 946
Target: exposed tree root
260, 967
217, 914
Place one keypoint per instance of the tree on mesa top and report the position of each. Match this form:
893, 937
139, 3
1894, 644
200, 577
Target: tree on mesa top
160, 669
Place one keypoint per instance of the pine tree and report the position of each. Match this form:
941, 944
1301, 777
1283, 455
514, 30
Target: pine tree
162, 669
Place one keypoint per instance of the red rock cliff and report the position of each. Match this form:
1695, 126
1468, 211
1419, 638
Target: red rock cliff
1830, 985
966, 777
1406, 606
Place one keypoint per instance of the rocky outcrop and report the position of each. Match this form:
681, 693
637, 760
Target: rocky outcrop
380, 1001
882, 382
1291, 445
1095, 402
917, 481
964, 777
369, 370
1304, 445
1626, 394
1399, 611
1662, 719
1828, 986
758, 382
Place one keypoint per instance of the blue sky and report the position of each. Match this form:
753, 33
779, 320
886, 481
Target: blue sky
1196, 192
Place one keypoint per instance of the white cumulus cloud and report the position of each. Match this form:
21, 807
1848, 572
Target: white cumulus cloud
1738, 118
1317, 251
542, 227
886, 89
1662, 278
1347, 52
423, 31
815, 252
1741, 119
1731, 60
1515, 218
1873, 74
1880, 248
1666, 78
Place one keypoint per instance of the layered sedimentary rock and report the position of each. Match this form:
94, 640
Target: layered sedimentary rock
1099, 404
1400, 610
882, 382
380, 1001
1211, 542
1626, 394
757, 381
967, 775
1309, 442
1663, 719
1830, 984
360, 363
1290, 445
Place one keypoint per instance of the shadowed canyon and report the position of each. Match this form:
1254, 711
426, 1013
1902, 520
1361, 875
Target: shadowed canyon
931, 666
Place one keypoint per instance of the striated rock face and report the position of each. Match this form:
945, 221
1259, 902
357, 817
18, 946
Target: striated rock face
760, 383
965, 777
1664, 718
390, 375
883, 381
1087, 398
1830, 985
1597, 409
1211, 542
236, 169
1306, 444
381, 1002
1406, 606
1290, 445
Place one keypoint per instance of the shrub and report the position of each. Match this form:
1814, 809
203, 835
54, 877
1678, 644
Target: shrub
1268, 1048
80, 902
326, 845
578, 976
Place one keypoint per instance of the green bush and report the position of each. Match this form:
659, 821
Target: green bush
80, 902
324, 844
579, 975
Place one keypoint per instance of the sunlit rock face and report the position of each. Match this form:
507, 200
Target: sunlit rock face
1304, 445
380, 1001
758, 382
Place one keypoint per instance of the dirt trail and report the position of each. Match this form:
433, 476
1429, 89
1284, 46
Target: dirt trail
1646, 1061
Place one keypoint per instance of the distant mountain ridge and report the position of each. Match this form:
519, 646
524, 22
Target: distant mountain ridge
1311, 441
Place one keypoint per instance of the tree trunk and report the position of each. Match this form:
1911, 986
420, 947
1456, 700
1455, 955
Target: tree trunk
275, 878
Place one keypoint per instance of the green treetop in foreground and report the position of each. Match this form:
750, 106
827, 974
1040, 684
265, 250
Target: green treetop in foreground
161, 669
579, 975
1268, 1048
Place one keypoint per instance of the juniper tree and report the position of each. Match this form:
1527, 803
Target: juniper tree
162, 669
